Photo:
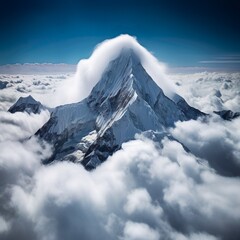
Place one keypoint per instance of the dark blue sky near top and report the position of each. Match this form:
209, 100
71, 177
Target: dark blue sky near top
180, 33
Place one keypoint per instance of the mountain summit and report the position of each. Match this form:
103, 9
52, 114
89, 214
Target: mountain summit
90, 71
124, 102
27, 104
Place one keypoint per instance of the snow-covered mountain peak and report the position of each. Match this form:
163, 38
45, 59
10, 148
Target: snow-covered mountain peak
90, 71
29, 100
27, 104
125, 100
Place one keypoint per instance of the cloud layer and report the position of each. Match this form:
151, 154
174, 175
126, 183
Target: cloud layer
146, 190
210, 91
141, 192
216, 141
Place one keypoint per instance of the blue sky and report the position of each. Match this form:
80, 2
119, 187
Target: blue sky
180, 33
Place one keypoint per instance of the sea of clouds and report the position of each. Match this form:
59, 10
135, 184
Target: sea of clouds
144, 191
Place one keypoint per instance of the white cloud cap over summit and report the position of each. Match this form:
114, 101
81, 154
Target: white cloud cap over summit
89, 71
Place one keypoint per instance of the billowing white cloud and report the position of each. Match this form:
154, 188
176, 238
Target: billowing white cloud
21, 125
215, 140
141, 192
4, 226
41, 86
210, 91
139, 231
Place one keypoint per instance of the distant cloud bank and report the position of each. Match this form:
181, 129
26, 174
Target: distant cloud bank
37, 68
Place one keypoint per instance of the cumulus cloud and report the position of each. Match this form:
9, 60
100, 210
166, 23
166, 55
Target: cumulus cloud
210, 91
21, 125
141, 192
40, 85
89, 71
139, 231
215, 140
4, 227
19, 159
6, 100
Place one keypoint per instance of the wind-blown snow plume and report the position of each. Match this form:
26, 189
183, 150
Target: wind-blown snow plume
90, 70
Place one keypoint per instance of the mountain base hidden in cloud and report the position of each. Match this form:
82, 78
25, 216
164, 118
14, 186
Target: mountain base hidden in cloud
160, 168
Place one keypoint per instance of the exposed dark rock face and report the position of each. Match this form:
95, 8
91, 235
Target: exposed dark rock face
227, 114
27, 104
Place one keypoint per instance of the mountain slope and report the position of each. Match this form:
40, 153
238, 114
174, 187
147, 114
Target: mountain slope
124, 102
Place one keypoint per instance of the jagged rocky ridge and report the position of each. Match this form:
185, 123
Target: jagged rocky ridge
124, 102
